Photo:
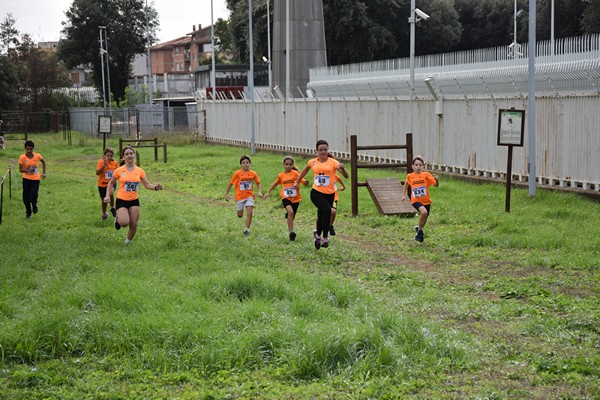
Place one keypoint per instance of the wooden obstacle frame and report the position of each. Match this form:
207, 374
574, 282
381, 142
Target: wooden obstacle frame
383, 191
154, 145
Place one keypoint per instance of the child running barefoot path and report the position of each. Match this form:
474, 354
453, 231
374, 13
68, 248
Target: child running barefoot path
419, 182
244, 190
290, 196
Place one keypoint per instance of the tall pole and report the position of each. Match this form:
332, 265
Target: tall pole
531, 100
212, 40
515, 32
251, 76
107, 71
269, 45
149, 63
552, 27
412, 22
102, 64
287, 49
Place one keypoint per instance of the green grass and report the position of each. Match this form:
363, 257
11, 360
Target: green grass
492, 305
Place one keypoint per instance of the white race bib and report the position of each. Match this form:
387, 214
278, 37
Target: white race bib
322, 180
289, 192
108, 174
33, 171
246, 185
131, 186
419, 191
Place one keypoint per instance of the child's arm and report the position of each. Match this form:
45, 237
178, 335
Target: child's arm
301, 176
227, 192
269, 191
437, 181
43, 174
342, 186
99, 170
404, 188
342, 169
260, 191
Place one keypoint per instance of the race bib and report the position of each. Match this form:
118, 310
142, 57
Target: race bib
289, 192
131, 186
33, 170
322, 180
108, 174
246, 185
419, 191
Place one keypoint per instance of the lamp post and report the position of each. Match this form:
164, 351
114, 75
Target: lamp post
212, 41
287, 49
251, 76
412, 20
102, 65
149, 63
552, 27
515, 45
269, 45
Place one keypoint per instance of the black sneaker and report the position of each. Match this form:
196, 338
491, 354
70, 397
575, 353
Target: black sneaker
34, 208
331, 230
419, 236
416, 228
27, 215
113, 211
317, 240
292, 236
117, 226
325, 242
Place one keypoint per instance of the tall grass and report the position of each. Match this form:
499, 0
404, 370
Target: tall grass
492, 305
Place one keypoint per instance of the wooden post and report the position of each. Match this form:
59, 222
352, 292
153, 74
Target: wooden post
155, 149
508, 178
120, 149
409, 153
354, 177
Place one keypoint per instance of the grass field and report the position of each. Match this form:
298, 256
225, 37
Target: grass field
492, 305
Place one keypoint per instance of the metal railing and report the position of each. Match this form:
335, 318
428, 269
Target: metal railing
7, 174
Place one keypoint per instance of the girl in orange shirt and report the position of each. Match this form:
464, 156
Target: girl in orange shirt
290, 196
105, 169
28, 166
128, 205
419, 182
323, 191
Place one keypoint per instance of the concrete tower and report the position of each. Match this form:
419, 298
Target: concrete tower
306, 41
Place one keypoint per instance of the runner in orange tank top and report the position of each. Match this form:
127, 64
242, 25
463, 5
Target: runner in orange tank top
104, 170
419, 182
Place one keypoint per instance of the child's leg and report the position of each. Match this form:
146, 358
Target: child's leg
240, 213
290, 217
423, 215
248, 216
333, 213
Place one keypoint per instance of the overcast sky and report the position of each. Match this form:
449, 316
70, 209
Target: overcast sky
42, 18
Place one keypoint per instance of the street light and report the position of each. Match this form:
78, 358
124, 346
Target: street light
416, 15
102, 51
212, 41
269, 45
514, 46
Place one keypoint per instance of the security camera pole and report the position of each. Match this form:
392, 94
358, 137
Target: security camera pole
411, 21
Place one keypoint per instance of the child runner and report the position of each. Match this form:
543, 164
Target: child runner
105, 169
28, 166
335, 201
323, 192
129, 177
419, 182
290, 197
244, 190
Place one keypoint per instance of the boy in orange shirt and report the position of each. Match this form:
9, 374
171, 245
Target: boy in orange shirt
105, 169
29, 167
419, 182
242, 179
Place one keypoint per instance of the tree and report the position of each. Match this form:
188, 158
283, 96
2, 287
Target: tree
125, 22
591, 17
9, 34
9, 84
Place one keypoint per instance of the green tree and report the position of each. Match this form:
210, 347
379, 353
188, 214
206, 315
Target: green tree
590, 22
125, 22
9, 84
9, 34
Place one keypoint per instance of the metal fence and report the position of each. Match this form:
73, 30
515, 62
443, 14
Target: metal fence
146, 120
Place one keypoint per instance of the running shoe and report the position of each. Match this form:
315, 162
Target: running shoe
104, 216
317, 240
325, 242
416, 228
331, 230
117, 226
292, 236
34, 208
246, 232
419, 236
113, 211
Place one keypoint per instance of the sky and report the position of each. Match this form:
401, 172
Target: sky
42, 18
